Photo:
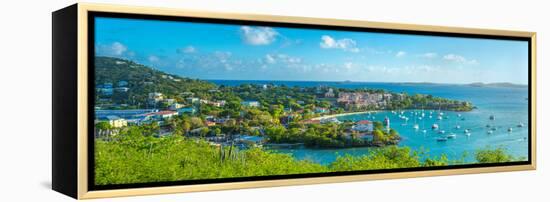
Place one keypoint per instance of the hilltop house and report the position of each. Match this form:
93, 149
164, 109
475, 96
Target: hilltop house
175, 106
192, 100
250, 103
155, 98
169, 101
105, 89
220, 103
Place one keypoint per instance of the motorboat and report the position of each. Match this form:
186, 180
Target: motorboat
441, 139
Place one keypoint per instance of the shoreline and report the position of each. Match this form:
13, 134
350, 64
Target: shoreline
342, 114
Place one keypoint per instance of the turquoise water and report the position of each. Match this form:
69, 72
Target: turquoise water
508, 105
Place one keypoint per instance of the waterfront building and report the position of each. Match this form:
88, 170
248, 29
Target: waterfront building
125, 114
364, 99
363, 126
116, 122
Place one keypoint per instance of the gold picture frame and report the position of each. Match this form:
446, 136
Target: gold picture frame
78, 187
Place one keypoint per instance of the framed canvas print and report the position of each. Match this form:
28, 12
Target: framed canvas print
151, 100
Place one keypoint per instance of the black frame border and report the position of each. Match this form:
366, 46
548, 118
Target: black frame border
91, 95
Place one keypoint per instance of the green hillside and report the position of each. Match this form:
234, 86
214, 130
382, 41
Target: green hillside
141, 80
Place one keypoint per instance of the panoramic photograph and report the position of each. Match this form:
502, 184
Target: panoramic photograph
183, 101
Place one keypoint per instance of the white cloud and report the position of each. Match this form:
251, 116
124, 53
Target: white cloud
188, 49
348, 65
153, 59
118, 48
282, 58
270, 59
258, 35
400, 54
429, 55
113, 49
459, 59
327, 42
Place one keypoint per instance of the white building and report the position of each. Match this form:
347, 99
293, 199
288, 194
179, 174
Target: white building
117, 122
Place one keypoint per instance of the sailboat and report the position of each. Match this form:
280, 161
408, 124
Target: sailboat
456, 122
415, 126
451, 136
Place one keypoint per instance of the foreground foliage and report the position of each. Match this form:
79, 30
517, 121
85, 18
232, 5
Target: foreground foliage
131, 157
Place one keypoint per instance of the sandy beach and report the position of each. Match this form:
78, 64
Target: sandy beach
342, 114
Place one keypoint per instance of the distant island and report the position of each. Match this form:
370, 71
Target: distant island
498, 85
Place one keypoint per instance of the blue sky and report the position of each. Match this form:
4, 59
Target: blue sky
238, 52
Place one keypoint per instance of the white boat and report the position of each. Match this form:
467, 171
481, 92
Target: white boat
490, 132
468, 134
510, 129
466, 131
416, 126
435, 126
439, 117
520, 125
451, 136
424, 131
442, 132
457, 126
441, 139
459, 115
